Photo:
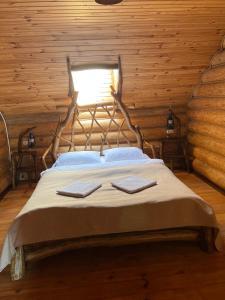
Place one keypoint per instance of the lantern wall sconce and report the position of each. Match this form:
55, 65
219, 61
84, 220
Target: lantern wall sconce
173, 125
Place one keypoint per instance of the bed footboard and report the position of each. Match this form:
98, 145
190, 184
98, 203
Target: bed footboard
205, 236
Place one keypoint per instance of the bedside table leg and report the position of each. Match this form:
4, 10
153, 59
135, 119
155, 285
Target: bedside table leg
171, 165
186, 157
13, 173
35, 167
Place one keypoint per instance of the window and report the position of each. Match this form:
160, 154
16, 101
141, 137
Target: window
93, 85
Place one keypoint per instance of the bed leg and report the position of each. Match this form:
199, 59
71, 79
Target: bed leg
18, 265
207, 240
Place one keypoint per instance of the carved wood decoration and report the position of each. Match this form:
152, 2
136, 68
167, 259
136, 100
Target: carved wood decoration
100, 125
53, 147
5, 156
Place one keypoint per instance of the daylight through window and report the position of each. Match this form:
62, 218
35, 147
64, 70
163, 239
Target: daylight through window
93, 85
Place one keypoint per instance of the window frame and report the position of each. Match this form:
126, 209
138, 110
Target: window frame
86, 67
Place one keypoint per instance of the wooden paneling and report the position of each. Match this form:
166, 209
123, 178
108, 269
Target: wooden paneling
164, 46
163, 271
207, 121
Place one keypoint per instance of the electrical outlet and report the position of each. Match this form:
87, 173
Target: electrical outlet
23, 176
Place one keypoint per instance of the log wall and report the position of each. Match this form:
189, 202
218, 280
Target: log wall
207, 121
164, 46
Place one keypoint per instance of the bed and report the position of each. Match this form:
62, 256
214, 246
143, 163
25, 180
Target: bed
167, 211
50, 223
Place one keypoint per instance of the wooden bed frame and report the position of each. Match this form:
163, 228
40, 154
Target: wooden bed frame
204, 236
27, 253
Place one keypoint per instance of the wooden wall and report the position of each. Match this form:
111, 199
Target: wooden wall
207, 121
164, 46
5, 178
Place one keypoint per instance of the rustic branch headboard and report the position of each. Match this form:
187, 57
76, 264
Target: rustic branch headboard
5, 155
94, 126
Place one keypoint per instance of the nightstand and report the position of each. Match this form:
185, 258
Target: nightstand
174, 151
18, 158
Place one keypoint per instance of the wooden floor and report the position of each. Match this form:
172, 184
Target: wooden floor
174, 271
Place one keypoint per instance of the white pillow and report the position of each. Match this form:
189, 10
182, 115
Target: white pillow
123, 153
78, 158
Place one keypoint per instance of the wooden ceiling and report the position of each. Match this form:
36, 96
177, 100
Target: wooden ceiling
164, 46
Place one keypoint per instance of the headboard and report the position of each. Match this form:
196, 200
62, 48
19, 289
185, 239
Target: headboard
95, 126
5, 156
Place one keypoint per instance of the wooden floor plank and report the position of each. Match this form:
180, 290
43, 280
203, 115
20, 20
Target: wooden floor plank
161, 271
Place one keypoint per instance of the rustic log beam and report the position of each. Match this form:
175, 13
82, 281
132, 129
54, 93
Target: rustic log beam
212, 159
156, 132
216, 117
207, 129
209, 172
207, 103
214, 145
207, 121
218, 58
145, 121
45, 141
34, 253
210, 90
223, 43
215, 74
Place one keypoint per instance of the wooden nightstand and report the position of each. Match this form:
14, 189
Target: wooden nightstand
18, 158
174, 151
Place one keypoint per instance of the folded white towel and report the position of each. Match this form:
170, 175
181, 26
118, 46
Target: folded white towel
79, 189
133, 184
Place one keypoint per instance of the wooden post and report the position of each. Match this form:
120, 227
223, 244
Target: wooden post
18, 264
207, 239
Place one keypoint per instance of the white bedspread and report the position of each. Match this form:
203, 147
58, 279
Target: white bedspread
48, 216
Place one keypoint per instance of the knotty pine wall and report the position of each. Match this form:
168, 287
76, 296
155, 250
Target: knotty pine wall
164, 46
207, 121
